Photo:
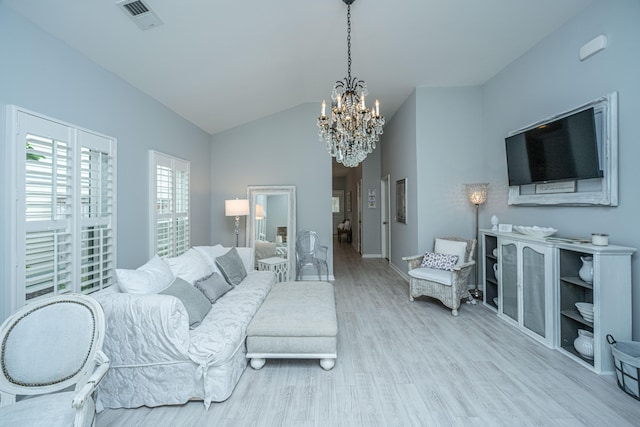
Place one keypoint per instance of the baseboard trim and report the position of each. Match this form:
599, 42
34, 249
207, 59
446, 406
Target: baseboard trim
371, 255
314, 278
401, 273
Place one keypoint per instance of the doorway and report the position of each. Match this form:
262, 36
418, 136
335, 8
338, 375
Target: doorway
385, 214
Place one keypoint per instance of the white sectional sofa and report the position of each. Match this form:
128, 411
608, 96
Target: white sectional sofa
156, 357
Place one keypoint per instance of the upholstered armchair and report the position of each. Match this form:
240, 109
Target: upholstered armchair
264, 249
439, 276
51, 349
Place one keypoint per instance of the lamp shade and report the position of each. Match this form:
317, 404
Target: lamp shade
477, 193
259, 212
236, 207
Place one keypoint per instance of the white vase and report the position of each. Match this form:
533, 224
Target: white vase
584, 344
586, 271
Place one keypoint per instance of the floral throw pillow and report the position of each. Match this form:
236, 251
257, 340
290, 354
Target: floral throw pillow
439, 261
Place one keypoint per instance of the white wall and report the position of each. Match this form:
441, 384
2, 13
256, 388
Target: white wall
44, 75
282, 149
435, 141
550, 79
449, 153
399, 161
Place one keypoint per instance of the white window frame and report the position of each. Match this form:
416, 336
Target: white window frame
93, 269
177, 212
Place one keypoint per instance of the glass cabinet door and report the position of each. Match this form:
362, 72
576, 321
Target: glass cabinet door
509, 279
533, 290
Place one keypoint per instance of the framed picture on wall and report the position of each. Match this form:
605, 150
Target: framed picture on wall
401, 200
348, 201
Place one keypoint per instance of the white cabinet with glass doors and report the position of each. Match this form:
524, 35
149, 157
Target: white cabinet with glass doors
525, 291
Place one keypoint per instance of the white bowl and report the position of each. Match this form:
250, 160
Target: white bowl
585, 307
535, 230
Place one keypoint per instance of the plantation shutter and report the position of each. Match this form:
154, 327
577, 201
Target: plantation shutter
182, 206
64, 209
46, 241
170, 234
96, 212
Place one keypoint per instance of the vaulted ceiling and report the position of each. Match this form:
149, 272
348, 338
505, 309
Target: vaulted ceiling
220, 64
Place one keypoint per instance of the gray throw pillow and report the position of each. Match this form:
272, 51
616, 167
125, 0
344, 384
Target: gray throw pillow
231, 267
194, 301
213, 287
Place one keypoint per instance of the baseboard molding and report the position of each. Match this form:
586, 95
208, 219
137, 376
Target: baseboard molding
401, 273
314, 278
371, 255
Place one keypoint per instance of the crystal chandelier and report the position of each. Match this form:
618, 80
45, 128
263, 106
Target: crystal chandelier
353, 130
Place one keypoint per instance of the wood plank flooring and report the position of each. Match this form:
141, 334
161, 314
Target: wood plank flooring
403, 363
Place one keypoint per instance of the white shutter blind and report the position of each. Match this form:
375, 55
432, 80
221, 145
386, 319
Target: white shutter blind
64, 222
96, 213
46, 243
182, 207
170, 235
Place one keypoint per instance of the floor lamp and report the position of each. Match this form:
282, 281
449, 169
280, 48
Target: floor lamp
237, 208
477, 194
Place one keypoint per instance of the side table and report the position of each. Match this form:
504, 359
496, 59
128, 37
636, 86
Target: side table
278, 265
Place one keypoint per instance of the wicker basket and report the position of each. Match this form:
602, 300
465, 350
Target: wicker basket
626, 357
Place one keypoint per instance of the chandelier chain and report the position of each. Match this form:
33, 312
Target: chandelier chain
349, 42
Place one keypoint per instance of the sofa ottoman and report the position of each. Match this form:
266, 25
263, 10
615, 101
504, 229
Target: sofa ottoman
297, 320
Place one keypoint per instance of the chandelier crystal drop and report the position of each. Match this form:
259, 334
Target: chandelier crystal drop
353, 130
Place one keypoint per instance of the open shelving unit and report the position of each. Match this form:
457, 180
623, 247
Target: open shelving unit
573, 290
489, 244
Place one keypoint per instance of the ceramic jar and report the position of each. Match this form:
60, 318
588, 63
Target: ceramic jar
584, 343
586, 271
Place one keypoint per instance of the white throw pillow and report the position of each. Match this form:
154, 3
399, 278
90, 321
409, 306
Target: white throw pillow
210, 253
247, 255
451, 247
151, 278
190, 266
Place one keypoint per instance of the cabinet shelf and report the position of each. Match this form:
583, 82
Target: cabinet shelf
570, 349
575, 315
577, 281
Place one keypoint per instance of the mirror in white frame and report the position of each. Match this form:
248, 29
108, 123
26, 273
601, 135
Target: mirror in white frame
272, 220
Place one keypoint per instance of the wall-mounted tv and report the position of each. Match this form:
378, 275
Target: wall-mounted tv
561, 150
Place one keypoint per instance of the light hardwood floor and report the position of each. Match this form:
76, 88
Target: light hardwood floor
404, 363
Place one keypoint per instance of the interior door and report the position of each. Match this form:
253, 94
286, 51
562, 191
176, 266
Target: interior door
385, 207
359, 213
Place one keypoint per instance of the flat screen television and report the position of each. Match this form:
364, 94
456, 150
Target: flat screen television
561, 150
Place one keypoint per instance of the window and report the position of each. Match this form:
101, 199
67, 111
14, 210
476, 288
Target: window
170, 222
64, 233
335, 204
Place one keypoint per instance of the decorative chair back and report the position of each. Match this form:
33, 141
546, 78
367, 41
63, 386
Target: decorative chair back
471, 247
51, 344
307, 245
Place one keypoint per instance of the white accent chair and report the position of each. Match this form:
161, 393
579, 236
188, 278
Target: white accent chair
47, 346
449, 287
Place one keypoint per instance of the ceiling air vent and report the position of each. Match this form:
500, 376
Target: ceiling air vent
140, 13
